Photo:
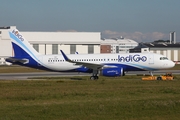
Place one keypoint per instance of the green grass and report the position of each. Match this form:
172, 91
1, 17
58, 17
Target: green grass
77, 98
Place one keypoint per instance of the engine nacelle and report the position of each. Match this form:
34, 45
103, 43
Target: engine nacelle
112, 72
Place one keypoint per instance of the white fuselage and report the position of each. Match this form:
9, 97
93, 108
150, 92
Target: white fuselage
143, 61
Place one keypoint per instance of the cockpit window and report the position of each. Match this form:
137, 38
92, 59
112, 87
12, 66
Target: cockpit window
163, 58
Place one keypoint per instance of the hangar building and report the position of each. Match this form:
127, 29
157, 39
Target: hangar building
171, 51
116, 45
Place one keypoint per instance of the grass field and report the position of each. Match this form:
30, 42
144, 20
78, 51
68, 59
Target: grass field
123, 98
77, 98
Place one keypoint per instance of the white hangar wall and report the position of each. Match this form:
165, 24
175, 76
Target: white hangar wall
69, 42
5, 43
49, 42
63, 37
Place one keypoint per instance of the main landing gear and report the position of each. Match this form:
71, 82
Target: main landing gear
94, 76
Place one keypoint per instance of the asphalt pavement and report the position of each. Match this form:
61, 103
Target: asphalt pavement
25, 76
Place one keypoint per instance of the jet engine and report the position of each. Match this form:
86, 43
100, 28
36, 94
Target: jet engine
112, 72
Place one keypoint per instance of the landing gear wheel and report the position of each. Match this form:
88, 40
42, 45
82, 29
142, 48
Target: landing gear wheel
94, 77
159, 78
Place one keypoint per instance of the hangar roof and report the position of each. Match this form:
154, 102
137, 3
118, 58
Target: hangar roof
118, 41
162, 45
63, 37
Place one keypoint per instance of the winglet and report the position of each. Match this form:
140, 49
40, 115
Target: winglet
65, 56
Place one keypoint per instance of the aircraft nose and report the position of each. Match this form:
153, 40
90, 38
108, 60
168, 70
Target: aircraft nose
171, 64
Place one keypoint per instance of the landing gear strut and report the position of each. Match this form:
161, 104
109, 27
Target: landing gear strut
94, 76
151, 73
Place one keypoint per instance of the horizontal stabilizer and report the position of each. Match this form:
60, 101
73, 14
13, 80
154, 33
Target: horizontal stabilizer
15, 60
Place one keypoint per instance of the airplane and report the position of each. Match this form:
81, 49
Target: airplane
110, 65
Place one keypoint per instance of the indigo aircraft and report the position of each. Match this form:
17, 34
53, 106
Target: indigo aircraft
110, 65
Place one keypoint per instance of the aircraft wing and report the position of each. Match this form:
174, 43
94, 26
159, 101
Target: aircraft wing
15, 60
88, 65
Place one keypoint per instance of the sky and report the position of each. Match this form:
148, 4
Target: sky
140, 20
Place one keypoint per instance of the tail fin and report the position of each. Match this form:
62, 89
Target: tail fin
21, 46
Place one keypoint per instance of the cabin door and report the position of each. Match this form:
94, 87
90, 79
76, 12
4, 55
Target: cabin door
151, 59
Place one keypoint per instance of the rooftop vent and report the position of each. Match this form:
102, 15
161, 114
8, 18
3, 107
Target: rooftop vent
121, 37
164, 44
151, 44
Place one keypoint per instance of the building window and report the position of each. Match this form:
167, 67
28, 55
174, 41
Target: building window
54, 48
72, 49
90, 49
36, 47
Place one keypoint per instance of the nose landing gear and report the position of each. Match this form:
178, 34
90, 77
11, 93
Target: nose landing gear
94, 76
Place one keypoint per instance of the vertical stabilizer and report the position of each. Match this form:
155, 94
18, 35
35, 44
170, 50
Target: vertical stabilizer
21, 46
